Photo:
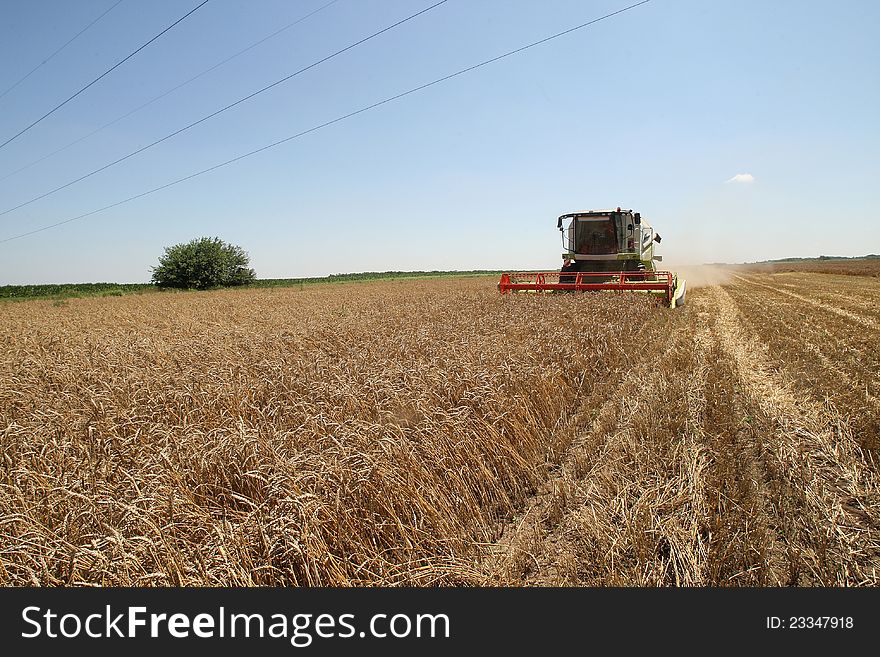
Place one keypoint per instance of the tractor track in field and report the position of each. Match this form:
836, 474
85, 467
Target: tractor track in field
746, 543
708, 468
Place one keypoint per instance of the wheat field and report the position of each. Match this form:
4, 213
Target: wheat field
436, 433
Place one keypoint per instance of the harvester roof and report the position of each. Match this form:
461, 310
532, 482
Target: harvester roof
593, 213
608, 211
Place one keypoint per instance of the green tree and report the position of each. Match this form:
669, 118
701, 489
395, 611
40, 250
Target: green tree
203, 263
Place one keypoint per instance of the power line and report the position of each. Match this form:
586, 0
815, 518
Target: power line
117, 64
172, 90
50, 57
328, 123
221, 110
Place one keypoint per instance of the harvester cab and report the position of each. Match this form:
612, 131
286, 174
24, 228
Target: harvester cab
604, 250
611, 240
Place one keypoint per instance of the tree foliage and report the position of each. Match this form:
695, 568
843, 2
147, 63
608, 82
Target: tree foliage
203, 263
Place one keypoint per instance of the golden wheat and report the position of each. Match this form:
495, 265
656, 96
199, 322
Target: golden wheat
438, 433
361, 434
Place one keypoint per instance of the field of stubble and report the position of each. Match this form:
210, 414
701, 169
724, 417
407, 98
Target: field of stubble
438, 433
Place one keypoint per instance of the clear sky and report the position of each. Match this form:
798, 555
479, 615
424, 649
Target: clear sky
741, 130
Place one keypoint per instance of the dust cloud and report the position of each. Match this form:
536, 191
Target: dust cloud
703, 275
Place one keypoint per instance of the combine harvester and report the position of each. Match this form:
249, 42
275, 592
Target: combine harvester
604, 250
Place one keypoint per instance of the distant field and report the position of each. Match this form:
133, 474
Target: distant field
75, 290
432, 431
846, 267
70, 290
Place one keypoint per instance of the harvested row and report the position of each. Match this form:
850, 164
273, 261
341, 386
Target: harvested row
826, 355
807, 298
705, 468
827, 494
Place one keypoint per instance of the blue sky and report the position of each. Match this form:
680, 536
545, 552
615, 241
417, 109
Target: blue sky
742, 130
